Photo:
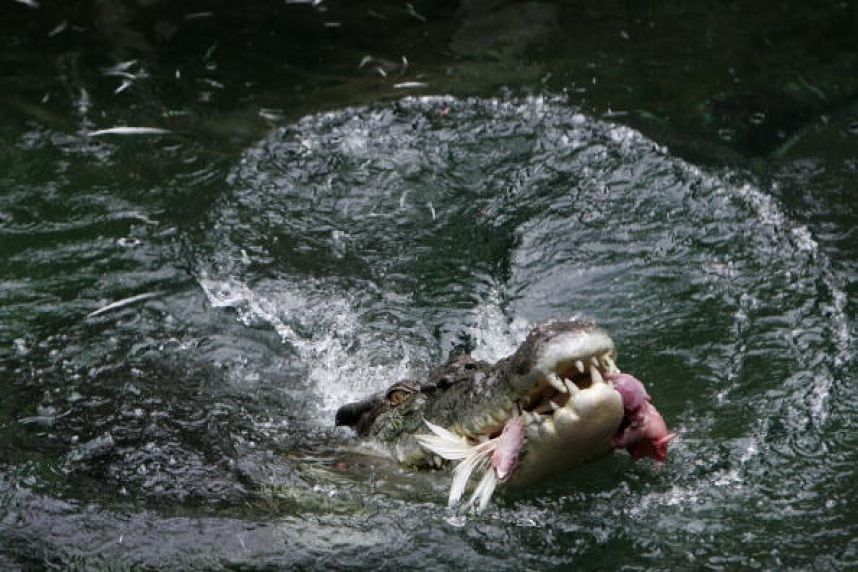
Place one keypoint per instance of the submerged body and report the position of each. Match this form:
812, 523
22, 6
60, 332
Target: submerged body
549, 407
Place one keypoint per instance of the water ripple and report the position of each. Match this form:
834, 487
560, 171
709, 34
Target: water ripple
357, 247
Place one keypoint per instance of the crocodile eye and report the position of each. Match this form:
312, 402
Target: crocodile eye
397, 396
398, 393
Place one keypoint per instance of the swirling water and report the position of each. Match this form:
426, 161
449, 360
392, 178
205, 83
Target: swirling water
191, 426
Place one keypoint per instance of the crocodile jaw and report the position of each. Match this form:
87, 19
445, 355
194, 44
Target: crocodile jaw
568, 408
575, 434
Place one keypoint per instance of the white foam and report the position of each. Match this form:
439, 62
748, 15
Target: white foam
494, 334
339, 369
769, 212
251, 309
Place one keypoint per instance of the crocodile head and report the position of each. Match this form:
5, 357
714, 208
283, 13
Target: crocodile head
557, 384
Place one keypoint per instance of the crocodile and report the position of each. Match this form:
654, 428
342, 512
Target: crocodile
558, 402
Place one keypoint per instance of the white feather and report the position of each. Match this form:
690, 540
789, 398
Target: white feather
461, 475
484, 490
445, 443
450, 450
442, 432
448, 445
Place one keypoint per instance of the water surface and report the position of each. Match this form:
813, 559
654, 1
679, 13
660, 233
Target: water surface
268, 264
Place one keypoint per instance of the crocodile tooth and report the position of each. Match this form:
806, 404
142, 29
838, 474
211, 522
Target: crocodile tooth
570, 386
595, 375
612, 366
579, 365
594, 361
548, 428
567, 415
556, 382
554, 406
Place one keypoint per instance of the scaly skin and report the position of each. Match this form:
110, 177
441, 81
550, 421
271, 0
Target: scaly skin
474, 399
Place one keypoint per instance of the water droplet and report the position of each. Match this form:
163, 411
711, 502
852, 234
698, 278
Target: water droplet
758, 118
726, 134
853, 127
21, 347
127, 242
457, 520
339, 243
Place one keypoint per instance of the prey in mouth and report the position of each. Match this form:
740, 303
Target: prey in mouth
549, 407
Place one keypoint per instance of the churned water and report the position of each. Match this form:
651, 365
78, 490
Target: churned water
189, 424
220, 221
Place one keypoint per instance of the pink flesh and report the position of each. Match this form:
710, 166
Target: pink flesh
506, 453
633, 391
644, 433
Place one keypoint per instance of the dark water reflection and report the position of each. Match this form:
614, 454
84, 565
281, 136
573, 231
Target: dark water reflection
277, 260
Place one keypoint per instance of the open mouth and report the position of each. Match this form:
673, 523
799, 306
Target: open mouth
561, 403
558, 387
564, 407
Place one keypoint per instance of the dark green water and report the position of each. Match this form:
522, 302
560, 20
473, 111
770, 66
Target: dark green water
306, 233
